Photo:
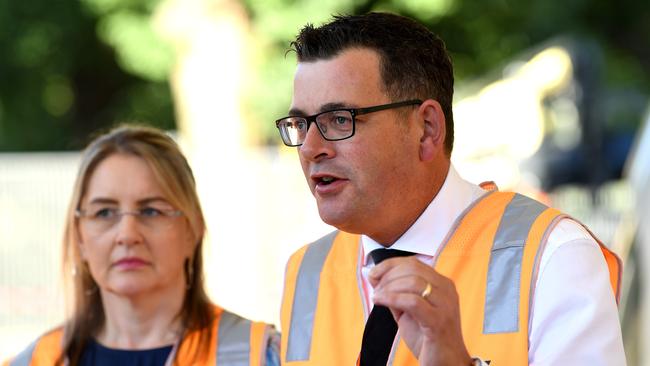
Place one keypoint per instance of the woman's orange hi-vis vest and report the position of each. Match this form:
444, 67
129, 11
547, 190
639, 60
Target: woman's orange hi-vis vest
492, 254
234, 341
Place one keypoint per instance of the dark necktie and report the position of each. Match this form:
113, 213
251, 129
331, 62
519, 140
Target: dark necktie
379, 334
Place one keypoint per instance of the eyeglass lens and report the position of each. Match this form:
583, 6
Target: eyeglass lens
333, 125
104, 219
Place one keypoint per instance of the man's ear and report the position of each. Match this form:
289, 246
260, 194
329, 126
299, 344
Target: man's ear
432, 141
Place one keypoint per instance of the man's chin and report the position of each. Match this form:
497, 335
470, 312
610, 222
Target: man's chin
336, 218
340, 219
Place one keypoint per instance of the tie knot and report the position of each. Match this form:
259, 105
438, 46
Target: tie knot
379, 255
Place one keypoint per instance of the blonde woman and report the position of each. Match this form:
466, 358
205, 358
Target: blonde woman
132, 247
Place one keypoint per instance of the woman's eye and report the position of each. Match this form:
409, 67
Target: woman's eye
105, 213
150, 212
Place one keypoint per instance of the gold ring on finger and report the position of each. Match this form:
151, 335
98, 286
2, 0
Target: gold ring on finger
427, 290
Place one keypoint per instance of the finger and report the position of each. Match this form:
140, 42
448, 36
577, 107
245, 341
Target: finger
390, 265
397, 314
394, 268
441, 294
415, 284
434, 298
417, 307
443, 312
379, 270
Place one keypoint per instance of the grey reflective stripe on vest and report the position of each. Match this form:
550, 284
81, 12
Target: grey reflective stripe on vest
24, 357
233, 347
504, 271
305, 298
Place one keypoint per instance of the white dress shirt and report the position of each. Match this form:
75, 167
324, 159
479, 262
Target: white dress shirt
574, 317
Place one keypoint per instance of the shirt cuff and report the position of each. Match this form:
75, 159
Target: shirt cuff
478, 362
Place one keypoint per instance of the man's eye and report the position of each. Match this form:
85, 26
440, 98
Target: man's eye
105, 213
342, 120
150, 212
301, 125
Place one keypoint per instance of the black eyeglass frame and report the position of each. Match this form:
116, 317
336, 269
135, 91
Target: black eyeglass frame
353, 112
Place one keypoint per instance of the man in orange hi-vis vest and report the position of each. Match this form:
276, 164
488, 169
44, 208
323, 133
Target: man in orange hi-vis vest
425, 267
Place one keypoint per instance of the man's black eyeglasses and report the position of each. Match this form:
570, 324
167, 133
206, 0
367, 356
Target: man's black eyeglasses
334, 125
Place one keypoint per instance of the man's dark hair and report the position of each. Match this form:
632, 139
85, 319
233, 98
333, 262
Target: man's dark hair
413, 61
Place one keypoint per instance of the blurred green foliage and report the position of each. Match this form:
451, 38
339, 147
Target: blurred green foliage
481, 36
70, 67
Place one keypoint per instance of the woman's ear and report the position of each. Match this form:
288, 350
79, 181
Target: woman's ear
432, 140
191, 239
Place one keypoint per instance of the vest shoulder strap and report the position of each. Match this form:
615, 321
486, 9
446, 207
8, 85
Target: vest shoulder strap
240, 340
234, 341
305, 297
43, 351
490, 256
321, 284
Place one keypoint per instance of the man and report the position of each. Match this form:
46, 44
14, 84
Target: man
493, 277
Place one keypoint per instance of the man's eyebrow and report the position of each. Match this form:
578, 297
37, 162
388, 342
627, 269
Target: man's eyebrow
323, 108
296, 112
332, 106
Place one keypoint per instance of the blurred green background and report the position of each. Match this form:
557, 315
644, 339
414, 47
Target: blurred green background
70, 67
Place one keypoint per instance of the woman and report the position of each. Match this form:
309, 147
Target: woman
133, 244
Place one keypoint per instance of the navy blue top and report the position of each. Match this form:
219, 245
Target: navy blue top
97, 355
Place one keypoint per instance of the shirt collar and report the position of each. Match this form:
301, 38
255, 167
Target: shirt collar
429, 230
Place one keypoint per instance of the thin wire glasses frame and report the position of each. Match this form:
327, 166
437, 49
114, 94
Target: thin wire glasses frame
333, 125
106, 218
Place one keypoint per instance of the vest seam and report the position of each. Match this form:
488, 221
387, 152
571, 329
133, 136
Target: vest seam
364, 303
456, 224
535, 271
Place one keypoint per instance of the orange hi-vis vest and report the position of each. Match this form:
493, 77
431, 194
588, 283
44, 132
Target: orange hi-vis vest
235, 341
492, 254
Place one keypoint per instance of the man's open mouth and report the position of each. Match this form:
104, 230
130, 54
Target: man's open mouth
325, 180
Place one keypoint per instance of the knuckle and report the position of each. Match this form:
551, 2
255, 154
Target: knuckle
411, 302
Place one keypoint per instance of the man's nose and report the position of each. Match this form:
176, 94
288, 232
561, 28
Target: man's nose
315, 146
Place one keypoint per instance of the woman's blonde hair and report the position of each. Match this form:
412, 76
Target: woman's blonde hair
174, 176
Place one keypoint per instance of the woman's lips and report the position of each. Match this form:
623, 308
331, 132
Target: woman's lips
131, 263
